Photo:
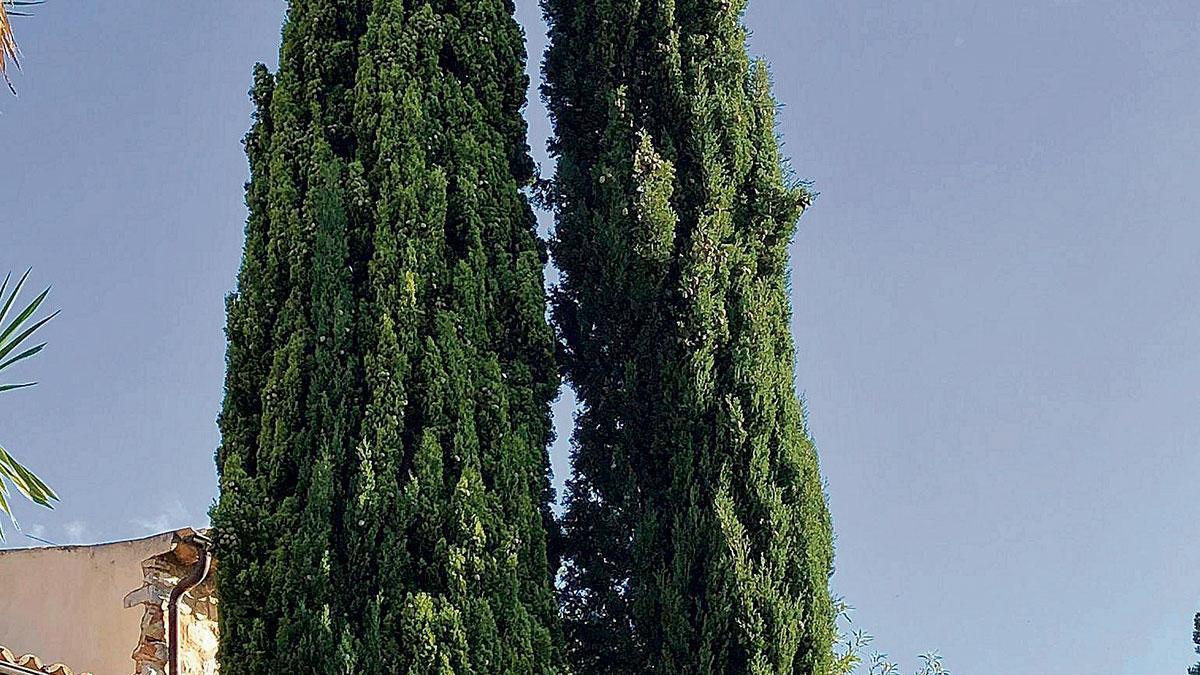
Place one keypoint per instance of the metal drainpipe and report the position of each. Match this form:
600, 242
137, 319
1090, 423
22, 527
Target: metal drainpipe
199, 573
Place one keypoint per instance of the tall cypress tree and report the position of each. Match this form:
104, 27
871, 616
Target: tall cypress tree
1195, 670
384, 478
696, 534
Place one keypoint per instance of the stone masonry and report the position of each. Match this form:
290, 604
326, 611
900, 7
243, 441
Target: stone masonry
197, 612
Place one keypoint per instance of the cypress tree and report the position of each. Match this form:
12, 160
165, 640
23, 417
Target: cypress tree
384, 478
1195, 670
696, 533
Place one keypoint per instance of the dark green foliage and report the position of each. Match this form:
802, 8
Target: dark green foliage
696, 536
384, 477
1195, 670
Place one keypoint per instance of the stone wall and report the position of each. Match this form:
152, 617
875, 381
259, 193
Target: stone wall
198, 630
65, 604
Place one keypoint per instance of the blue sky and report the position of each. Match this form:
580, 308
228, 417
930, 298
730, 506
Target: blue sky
995, 297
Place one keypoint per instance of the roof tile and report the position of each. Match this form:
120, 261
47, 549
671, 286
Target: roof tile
32, 662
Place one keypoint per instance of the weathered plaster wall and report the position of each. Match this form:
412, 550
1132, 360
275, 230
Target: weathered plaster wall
67, 604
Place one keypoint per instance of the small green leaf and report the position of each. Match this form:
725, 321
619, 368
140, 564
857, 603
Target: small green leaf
16, 291
23, 355
16, 342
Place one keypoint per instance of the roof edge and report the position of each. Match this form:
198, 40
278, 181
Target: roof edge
30, 665
183, 532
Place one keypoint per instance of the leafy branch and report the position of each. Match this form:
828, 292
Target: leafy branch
851, 651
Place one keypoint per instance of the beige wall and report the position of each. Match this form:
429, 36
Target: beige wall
66, 604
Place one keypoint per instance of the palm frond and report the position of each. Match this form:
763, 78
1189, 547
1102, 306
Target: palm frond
14, 333
8, 46
9, 51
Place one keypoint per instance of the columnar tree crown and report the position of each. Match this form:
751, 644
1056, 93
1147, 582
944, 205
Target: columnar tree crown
696, 533
384, 479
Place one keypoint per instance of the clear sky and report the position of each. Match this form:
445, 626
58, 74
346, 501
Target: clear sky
995, 296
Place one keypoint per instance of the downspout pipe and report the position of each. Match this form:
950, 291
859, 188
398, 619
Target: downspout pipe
197, 576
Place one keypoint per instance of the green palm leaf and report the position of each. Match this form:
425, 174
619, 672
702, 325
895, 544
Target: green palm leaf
13, 334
